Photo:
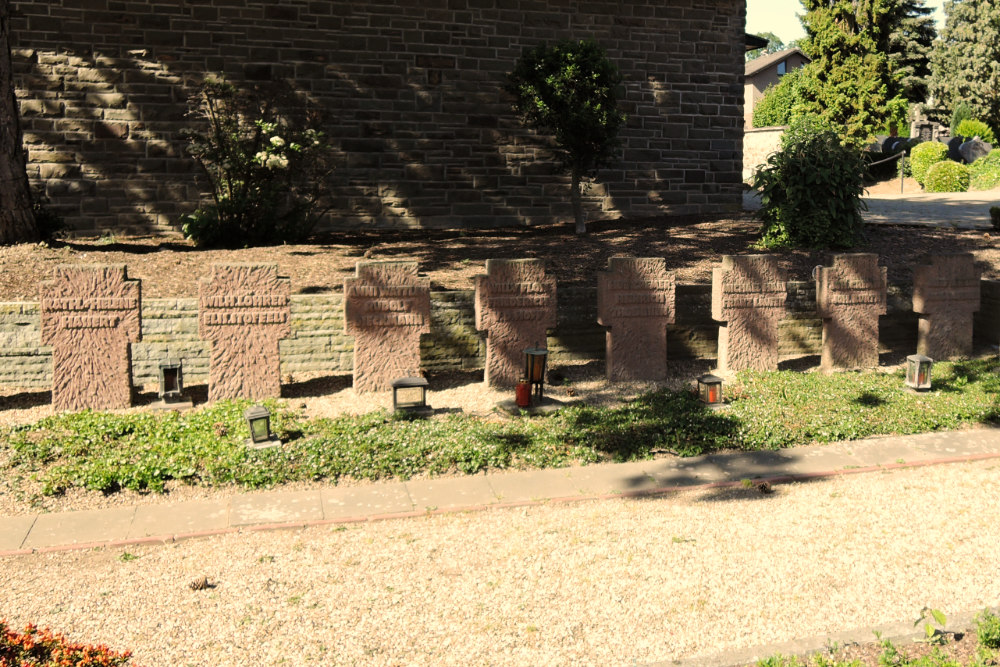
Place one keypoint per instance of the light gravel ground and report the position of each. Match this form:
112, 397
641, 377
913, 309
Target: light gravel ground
593, 583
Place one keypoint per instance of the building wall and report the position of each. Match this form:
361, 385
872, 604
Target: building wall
318, 346
755, 85
423, 133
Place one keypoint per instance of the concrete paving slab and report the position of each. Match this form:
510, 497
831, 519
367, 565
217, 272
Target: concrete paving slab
181, 519
884, 451
275, 507
686, 472
815, 459
528, 485
13, 530
740, 465
345, 502
958, 443
599, 480
83, 526
450, 492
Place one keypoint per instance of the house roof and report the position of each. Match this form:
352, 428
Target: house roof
762, 63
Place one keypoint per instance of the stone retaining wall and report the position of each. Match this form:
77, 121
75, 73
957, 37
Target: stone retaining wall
758, 143
318, 347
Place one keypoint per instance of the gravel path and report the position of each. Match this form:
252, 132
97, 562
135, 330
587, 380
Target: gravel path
610, 582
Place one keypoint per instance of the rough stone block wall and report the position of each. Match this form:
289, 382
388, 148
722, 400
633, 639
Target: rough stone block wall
423, 132
757, 145
318, 346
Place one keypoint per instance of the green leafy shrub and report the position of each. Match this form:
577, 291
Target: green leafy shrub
988, 629
811, 189
961, 113
947, 176
44, 648
265, 160
777, 106
923, 155
976, 128
985, 171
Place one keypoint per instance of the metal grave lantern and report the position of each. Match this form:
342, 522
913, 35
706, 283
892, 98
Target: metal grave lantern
410, 395
534, 368
918, 372
710, 390
171, 381
259, 421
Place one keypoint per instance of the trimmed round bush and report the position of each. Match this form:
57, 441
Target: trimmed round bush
947, 176
976, 128
923, 156
985, 171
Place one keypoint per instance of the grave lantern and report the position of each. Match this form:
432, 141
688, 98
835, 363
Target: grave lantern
259, 420
534, 368
410, 395
918, 372
710, 389
171, 381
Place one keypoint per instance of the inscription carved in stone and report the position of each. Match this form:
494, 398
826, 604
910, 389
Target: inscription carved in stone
635, 300
243, 310
946, 295
515, 305
748, 295
850, 296
386, 308
90, 315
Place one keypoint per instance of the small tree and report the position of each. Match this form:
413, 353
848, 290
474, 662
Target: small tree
570, 91
777, 106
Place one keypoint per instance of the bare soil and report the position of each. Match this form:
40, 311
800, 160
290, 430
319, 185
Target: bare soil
171, 266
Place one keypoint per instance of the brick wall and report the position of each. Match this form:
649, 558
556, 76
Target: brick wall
423, 132
318, 346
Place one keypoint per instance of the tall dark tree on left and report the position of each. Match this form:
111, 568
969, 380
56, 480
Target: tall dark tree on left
17, 218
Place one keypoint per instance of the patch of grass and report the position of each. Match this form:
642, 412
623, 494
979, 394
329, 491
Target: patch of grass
107, 452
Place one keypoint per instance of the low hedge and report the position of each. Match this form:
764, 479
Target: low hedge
947, 176
923, 156
986, 171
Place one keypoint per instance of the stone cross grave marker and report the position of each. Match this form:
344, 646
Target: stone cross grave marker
748, 295
386, 308
90, 315
244, 310
850, 296
635, 300
946, 294
515, 305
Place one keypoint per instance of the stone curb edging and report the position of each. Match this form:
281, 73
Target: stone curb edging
647, 493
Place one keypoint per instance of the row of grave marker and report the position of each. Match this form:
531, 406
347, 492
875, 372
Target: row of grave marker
91, 315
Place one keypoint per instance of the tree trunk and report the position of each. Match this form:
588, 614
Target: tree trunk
575, 198
17, 220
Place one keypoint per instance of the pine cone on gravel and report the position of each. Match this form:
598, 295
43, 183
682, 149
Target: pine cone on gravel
763, 487
200, 584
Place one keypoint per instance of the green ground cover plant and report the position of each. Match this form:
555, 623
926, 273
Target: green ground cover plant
985, 172
143, 451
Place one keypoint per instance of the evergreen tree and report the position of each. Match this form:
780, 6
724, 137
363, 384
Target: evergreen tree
851, 80
965, 63
910, 44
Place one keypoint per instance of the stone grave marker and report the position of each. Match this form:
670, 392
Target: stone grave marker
850, 296
90, 315
386, 308
748, 295
243, 310
515, 304
946, 294
635, 300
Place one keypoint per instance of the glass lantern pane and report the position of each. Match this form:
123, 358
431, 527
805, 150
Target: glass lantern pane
409, 397
259, 430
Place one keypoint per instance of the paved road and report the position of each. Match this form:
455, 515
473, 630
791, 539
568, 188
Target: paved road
960, 210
